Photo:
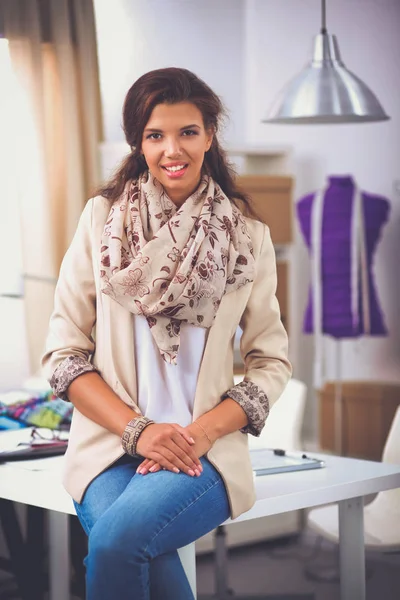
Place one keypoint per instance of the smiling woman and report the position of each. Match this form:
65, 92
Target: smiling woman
166, 267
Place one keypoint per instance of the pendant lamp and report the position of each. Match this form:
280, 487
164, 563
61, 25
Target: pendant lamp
325, 91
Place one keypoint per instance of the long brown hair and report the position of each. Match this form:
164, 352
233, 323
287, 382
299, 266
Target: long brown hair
170, 86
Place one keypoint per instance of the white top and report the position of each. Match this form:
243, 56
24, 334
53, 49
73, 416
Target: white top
166, 392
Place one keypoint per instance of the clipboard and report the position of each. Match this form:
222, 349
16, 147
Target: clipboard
267, 461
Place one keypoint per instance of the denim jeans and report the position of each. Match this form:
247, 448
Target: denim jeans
135, 524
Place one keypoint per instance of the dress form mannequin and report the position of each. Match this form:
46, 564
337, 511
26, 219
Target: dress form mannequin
335, 259
341, 226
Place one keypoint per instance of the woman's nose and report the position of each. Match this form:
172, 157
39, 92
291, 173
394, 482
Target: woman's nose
173, 148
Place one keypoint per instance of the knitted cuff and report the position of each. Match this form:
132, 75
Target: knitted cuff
132, 432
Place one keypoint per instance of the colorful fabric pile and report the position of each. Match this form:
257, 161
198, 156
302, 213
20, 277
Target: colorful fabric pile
41, 409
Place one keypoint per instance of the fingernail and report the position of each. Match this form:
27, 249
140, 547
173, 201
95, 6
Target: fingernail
197, 472
153, 468
139, 471
192, 440
176, 470
191, 473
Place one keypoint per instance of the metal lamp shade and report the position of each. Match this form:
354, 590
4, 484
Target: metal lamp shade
326, 92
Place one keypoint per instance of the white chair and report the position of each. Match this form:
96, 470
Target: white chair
283, 426
381, 516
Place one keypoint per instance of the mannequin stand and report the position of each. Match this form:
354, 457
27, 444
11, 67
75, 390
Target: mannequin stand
338, 402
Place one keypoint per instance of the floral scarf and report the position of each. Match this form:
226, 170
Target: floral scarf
171, 264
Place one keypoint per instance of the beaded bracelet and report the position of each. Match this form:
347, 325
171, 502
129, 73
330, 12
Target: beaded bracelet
132, 432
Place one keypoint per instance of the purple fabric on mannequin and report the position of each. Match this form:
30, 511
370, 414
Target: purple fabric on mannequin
336, 260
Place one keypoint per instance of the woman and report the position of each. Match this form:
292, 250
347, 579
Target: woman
162, 270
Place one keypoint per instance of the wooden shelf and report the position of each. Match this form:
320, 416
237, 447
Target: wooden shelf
259, 150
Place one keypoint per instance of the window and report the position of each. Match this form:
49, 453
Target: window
16, 142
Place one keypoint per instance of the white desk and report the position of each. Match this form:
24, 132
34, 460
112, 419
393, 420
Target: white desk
344, 480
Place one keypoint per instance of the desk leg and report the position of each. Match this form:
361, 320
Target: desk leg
35, 544
59, 556
352, 550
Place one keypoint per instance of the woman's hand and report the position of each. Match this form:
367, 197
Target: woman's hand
170, 446
200, 447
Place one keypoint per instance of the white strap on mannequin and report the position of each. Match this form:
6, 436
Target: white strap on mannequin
359, 264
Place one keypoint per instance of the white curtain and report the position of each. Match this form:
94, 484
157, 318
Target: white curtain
52, 44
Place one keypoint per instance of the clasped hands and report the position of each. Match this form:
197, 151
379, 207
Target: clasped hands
173, 448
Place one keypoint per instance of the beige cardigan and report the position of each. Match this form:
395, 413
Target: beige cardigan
82, 313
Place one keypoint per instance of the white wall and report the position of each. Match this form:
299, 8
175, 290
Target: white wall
136, 36
278, 45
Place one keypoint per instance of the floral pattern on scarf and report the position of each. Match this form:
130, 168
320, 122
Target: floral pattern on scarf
171, 264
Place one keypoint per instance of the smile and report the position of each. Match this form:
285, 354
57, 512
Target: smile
174, 171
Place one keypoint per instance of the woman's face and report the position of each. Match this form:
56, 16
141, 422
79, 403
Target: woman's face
174, 143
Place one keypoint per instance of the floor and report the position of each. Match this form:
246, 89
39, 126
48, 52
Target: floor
277, 568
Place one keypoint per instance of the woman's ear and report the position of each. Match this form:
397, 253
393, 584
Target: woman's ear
210, 137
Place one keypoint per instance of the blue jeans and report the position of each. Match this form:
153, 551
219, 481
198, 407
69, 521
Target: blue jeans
135, 524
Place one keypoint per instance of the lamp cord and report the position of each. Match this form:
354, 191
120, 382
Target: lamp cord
323, 15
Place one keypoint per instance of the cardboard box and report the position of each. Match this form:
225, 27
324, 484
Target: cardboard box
271, 201
368, 409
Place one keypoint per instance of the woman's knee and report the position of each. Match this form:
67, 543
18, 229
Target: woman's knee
112, 540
